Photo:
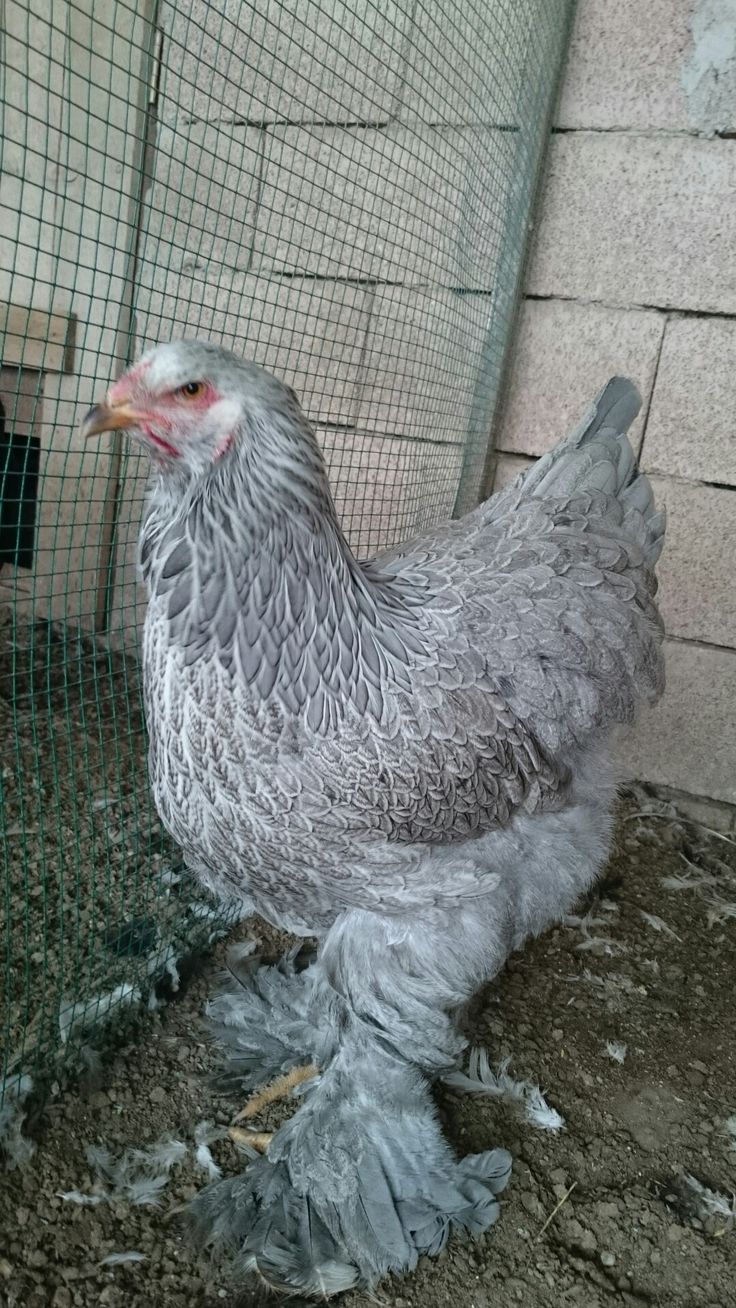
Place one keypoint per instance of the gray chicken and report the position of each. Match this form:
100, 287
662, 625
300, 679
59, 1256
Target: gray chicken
408, 758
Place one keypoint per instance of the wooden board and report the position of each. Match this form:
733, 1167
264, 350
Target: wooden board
32, 338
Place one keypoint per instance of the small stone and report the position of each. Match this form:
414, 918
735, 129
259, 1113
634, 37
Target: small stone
158, 1095
558, 1034
516, 1288
62, 1298
112, 1297
531, 1204
22, 1215
588, 1242
607, 1211
94, 1236
36, 1258
608, 1259
559, 1176
6, 1269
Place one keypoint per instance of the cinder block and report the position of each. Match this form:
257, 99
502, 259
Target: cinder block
637, 220
466, 62
310, 333
29, 242
506, 468
201, 207
706, 812
664, 64
691, 430
564, 353
688, 740
283, 60
697, 595
421, 363
30, 144
387, 489
414, 207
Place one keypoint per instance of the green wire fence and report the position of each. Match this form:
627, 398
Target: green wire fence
339, 190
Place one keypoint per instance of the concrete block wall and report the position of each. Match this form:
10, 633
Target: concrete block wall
634, 271
341, 191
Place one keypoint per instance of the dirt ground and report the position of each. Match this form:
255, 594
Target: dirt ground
598, 1214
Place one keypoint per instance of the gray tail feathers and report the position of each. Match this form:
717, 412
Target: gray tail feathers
598, 457
613, 410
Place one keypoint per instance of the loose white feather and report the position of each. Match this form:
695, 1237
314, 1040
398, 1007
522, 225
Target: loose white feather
616, 1051
128, 1256
711, 1203
658, 924
204, 1134
482, 1079
138, 1176
77, 1197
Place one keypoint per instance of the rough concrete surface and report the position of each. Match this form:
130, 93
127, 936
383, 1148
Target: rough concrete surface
690, 431
638, 220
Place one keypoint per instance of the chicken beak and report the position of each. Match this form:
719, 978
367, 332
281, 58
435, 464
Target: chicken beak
108, 417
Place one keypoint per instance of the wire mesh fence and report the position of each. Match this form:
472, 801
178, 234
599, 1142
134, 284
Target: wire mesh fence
341, 191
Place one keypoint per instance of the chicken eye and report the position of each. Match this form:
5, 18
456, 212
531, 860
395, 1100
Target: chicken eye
191, 389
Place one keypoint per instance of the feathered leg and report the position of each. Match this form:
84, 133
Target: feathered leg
268, 1023
360, 1181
